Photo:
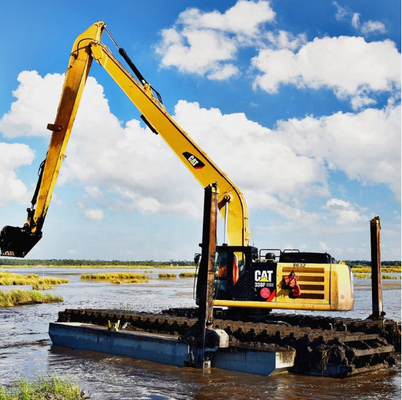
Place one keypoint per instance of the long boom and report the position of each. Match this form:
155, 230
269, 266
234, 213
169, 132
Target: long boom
87, 47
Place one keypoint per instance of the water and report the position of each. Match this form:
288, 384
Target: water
26, 350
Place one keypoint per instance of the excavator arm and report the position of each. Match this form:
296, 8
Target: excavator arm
17, 242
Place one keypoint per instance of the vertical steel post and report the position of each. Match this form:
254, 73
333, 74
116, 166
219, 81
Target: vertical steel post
207, 267
375, 226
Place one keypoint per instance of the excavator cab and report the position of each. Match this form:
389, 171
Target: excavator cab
17, 242
232, 271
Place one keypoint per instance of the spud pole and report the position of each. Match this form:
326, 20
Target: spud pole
375, 226
207, 267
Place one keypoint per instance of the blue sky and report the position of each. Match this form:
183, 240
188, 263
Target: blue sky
297, 101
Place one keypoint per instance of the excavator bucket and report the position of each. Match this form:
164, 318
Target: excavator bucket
17, 242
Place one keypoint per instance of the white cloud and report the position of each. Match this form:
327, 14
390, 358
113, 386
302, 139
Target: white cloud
369, 27
371, 68
373, 27
205, 52
243, 19
126, 168
12, 188
341, 12
366, 146
208, 42
94, 214
125, 165
345, 213
365, 28
94, 192
286, 40
28, 116
356, 20
255, 157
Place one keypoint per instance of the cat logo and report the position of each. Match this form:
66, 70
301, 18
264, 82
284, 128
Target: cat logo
263, 276
193, 160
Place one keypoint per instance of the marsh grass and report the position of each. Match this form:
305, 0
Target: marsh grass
386, 276
391, 269
188, 275
364, 272
43, 388
116, 277
365, 269
37, 283
22, 297
167, 276
360, 270
361, 275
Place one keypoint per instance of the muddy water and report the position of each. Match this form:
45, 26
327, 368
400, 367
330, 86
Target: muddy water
25, 349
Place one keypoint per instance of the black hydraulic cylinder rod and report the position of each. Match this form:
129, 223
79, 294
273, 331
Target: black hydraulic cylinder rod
132, 66
138, 73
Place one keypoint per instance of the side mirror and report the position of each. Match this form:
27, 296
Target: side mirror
197, 257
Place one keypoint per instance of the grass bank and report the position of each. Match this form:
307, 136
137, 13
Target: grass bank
22, 297
37, 283
117, 277
188, 275
44, 388
167, 276
130, 277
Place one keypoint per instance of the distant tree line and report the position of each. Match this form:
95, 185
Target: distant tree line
366, 263
70, 262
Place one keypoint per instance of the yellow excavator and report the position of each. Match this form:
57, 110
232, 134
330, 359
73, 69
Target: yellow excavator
245, 276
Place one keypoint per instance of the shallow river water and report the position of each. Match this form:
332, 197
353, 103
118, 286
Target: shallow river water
26, 350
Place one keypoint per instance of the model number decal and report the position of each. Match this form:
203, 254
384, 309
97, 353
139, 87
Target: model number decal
193, 160
299, 265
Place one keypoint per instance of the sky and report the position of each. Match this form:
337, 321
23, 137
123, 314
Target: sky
298, 102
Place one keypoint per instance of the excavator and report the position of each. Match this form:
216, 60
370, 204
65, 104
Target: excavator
245, 277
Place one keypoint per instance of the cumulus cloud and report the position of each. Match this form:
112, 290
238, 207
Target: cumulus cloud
297, 155
28, 116
126, 167
12, 188
345, 213
115, 165
206, 43
371, 68
286, 40
365, 146
252, 155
